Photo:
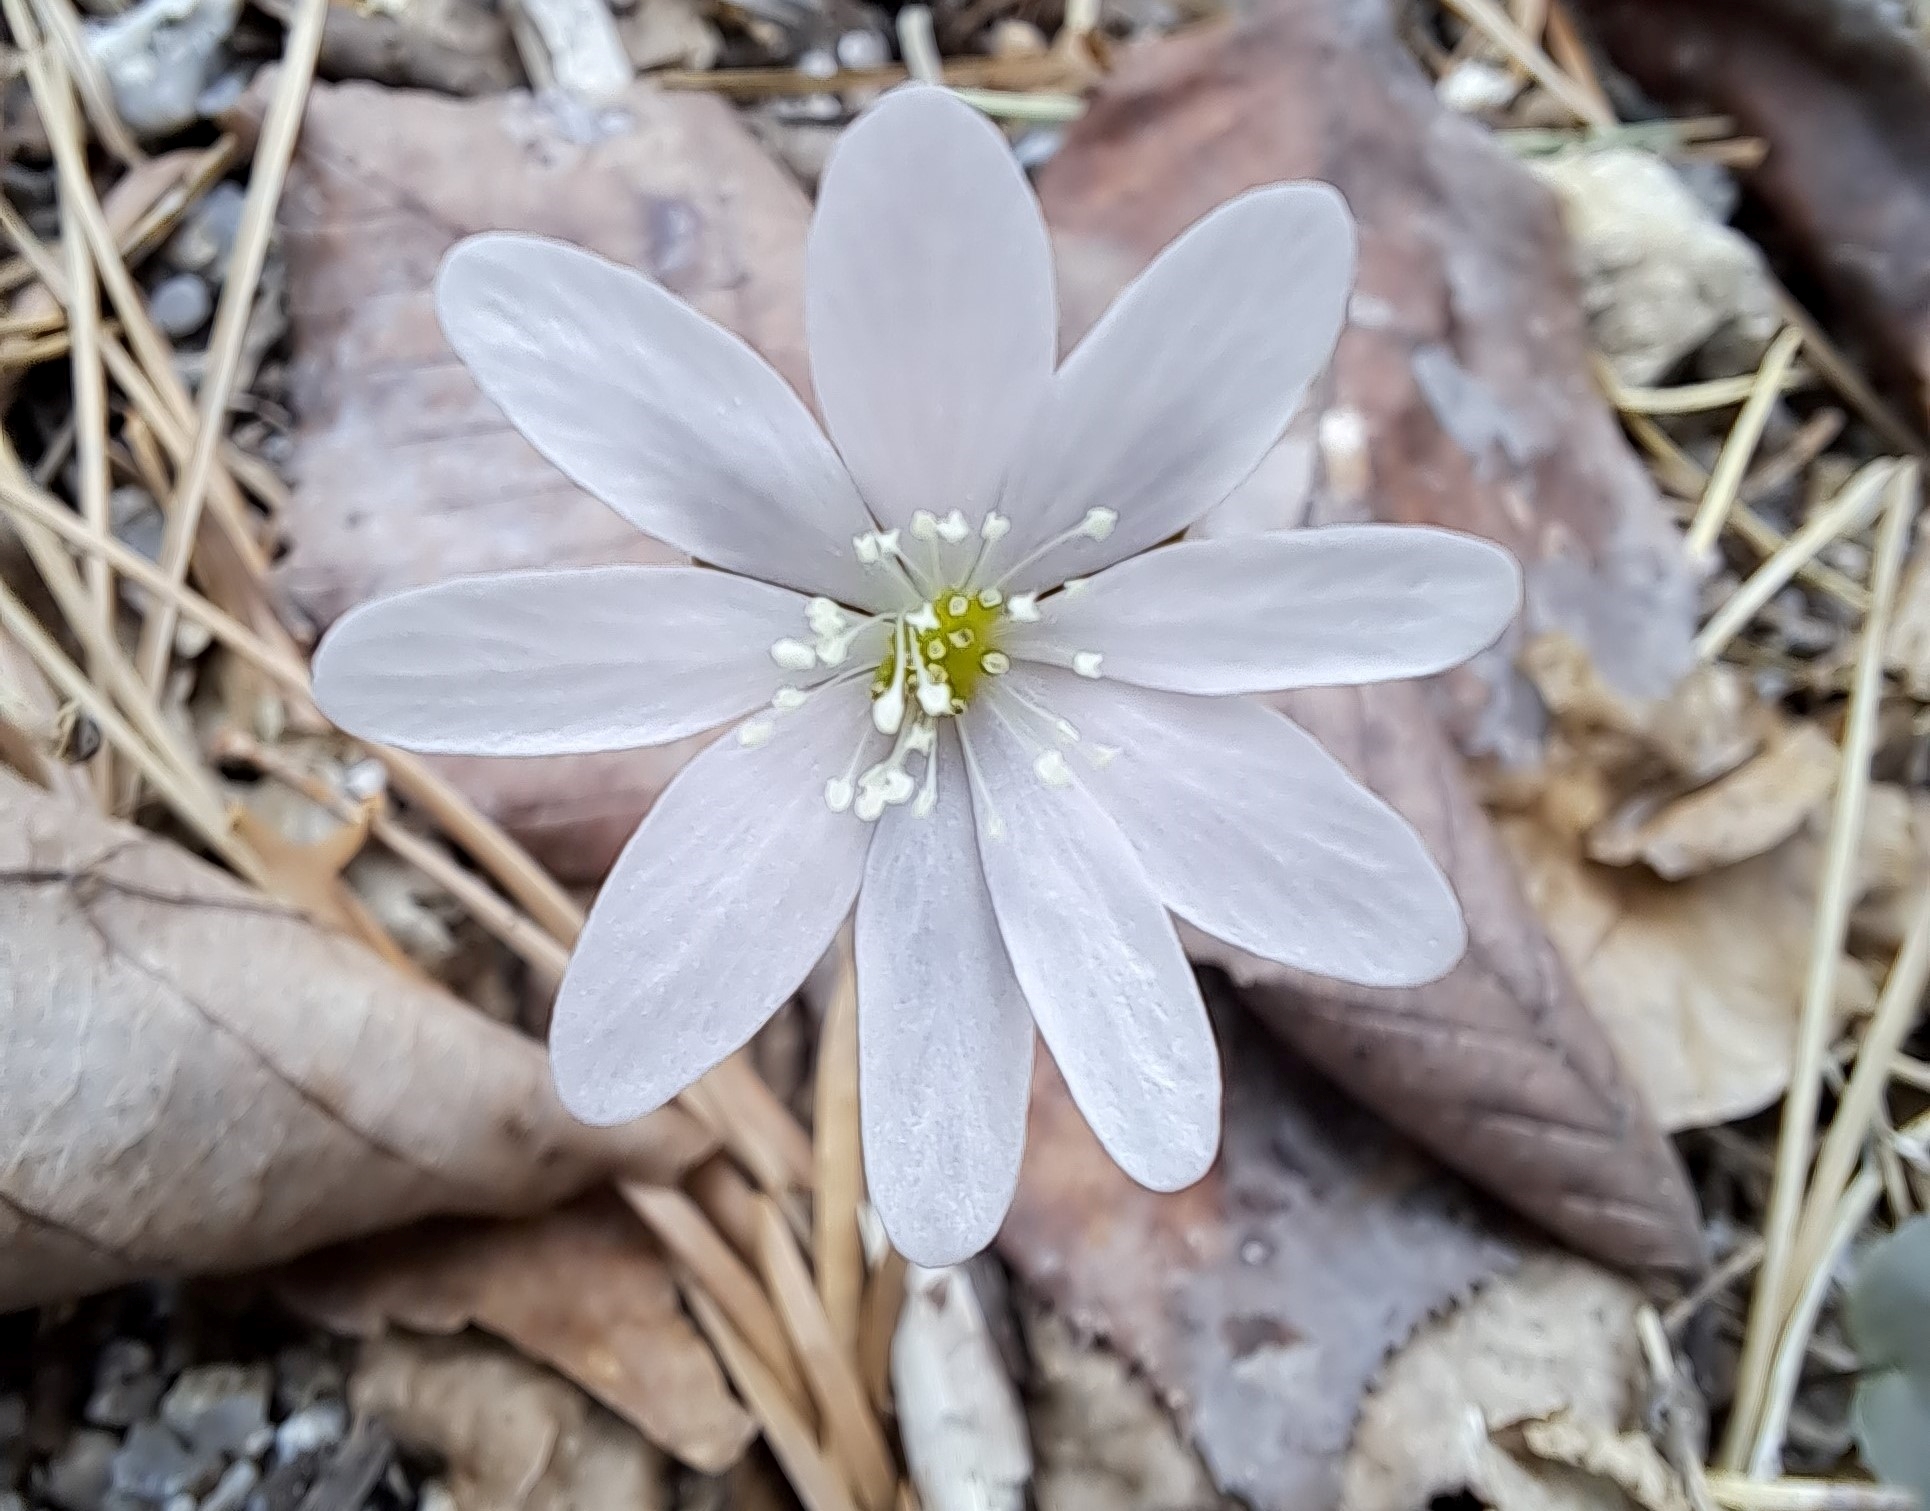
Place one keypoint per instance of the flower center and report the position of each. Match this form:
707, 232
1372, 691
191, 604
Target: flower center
946, 646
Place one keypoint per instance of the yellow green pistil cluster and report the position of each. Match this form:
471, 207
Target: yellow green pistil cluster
949, 644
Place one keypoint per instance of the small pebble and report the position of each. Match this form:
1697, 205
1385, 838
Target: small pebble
218, 1406
232, 1490
127, 1383
80, 1473
862, 49
180, 304
204, 243
319, 1426
154, 1465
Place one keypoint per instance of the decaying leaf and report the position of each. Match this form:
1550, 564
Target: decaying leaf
959, 1417
404, 472
1460, 396
194, 1078
584, 1289
1746, 813
1629, 1460
1839, 91
1698, 982
1555, 1339
1104, 1442
1262, 1300
512, 1435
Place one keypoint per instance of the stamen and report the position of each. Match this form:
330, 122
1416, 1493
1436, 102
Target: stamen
928, 793
825, 617
1023, 607
924, 524
1086, 663
755, 732
991, 598
1098, 523
1101, 756
952, 528
787, 698
995, 663
981, 794
1051, 769
794, 655
888, 708
837, 793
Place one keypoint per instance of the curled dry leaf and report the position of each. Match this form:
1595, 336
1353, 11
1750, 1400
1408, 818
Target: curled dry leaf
404, 473
1460, 396
1261, 1301
512, 1436
1555, 1339
584, 1289
194, 1078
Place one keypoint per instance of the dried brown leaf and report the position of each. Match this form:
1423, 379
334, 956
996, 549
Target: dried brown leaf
1557, 1336
404, 472
195, 1078
1460, 396
1261, 1301
512, 1436
583, 1289
1628, 1460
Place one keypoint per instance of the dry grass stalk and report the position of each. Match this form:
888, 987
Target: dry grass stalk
1778, 1283
1500, 29
1737, 1492
1725, 478
837, 1250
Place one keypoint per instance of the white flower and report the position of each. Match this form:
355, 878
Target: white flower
985, 703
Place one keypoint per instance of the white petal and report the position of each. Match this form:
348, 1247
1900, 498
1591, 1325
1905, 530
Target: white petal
944, 1035
555, 663
1254, 833
664, 415
1335, 606
1100, 965
718, 906
929, 304
1188, 379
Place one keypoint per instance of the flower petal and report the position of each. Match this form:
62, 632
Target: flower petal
1187, 380
1335, 606
929, 304
1251, 831
555, 663
944, 1035
718, 906
664, 415
1099, 963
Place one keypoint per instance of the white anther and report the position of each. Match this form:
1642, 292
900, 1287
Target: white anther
1024, 607
754, 732
995, 663
924, 524
921, 737
938, 651
957, 605
995, 526
837, 794
794, 655
1076, 584
991, 598
1086, 663
1052, 769
787, 698
833, 651
935, 697
1065, 730
866, 545
924, 617
824, 617
952, 528
897, 786
888, 709
961, 638
870, 805
1101, 756
1098, 523
888, 542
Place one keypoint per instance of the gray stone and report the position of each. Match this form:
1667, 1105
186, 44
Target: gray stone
78, 1477
127, 1384
236, 1484
180, 304
159, 55
218, 1406
319, 1426
207, 237
153, 1464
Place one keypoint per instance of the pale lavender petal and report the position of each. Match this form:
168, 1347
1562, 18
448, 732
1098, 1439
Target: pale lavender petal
1334, 606
716, 910
1187, 380
661, 413
1099, 963
556, 663
1251, 831
929, 302
944, 1035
